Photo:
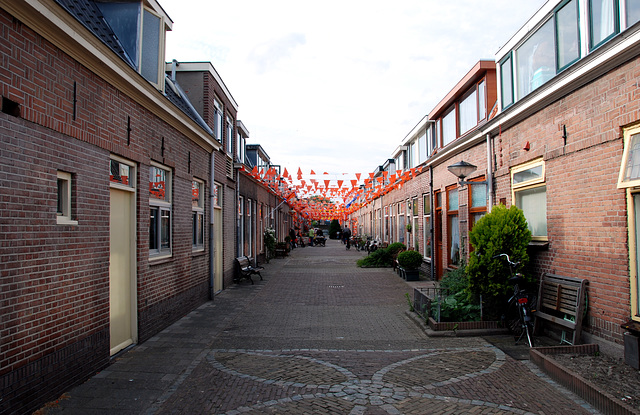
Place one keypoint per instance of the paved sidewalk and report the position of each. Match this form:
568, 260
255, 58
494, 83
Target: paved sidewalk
317, 336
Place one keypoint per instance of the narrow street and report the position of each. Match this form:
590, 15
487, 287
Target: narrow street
317, 336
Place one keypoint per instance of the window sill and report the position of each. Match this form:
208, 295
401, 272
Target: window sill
66, 221
539, 245
197, 252
159, 259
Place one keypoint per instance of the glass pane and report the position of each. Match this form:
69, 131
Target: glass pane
119, 173
633, 12
632, 165
602, 15
454, 240
415, 207
195, 194
478, 195
507, 83
426, 204
533, 203
153, 228
165, 229
427, 237
568, 34
401, 229
150, 47
469, 113
535, 60
453, 200
636, 207
533, 173
482, 102
449, 128
124, 20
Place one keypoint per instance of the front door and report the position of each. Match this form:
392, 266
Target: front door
122, 323
217, 250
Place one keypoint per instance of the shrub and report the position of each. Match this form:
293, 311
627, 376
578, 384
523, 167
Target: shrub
379, 258
500, 231
458, 305
396, 247
410, 259
334, 229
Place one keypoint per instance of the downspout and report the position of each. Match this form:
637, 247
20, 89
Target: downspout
211, 227
489, 174
431, 228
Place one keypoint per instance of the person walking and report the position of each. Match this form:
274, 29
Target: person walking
346, 235
292, 235
311, 236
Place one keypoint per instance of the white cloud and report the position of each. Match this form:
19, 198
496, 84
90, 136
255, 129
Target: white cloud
335, 86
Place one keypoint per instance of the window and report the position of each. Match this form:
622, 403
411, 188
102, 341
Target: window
250, 221
120, 173
426, 225
567, 34
603, 21
469, 111
139, 31
478, 198
229, 136
160, 211
449, 127
240, 226
217, 119
197, 213
535, 60
482, 100
453, 227
530, 195
401, 224
633, 12
64, 199
506, 79
240, 150
217, 195
414, 231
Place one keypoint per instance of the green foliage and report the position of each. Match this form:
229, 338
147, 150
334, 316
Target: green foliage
410, 259
458, 305
500, 231
334, 228
379, 258
396, 247
411, 308
270, 242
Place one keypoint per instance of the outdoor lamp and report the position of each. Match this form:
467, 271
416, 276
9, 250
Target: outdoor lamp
463, 169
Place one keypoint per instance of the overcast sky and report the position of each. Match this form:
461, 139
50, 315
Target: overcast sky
336, 85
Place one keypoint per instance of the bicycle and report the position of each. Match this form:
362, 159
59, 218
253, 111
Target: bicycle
521, 306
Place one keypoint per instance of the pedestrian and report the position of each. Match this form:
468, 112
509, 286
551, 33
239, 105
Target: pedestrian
346, 235
311, 236
292, 235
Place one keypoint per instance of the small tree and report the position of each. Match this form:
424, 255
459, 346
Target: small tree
334, 228
502, 231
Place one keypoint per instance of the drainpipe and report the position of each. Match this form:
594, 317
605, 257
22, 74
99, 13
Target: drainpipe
489, 174
212, 227
431, 229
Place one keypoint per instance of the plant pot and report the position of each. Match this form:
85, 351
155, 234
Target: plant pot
411, 274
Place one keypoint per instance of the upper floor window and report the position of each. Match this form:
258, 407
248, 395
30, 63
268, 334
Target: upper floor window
603, 21
535, 60
217, 119
240, 150
469, 111
139, 31
506, 80
630, 168
197, 214
64, 199
229, 136
449, 127
633, 12
567, 34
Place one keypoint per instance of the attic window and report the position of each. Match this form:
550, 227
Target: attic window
139, 30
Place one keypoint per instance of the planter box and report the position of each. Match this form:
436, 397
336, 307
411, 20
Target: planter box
410, 274
601, 400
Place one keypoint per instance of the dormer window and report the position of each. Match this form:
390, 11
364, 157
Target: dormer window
140, 32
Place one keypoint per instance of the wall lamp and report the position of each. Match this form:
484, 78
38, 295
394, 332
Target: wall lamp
463, 169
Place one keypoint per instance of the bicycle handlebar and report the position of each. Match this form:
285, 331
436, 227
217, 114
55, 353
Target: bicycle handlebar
513, 264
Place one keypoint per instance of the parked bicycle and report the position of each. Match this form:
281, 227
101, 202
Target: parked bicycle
519, 315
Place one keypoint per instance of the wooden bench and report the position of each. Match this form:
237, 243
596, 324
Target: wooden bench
561, 300
280, 252
246, 270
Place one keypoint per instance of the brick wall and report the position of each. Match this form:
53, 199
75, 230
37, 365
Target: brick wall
55, 278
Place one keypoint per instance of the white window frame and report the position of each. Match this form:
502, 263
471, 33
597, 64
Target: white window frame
64, 205
229, 136
534, 183
240, 225
197, 215
218, 118
163, 206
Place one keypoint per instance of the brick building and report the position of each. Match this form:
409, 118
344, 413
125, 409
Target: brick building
559, 143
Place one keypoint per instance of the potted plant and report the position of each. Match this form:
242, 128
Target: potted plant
409, 227
410, 262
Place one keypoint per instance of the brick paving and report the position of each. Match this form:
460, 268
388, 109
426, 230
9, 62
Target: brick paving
317, 336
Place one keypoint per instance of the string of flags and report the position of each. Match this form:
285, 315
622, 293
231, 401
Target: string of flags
325, 196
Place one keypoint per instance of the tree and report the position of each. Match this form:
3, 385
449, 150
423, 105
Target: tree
502, 231
334, 228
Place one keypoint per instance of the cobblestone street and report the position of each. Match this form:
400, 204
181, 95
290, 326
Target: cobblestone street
317, 336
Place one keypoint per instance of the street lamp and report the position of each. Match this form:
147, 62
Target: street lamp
463, 169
